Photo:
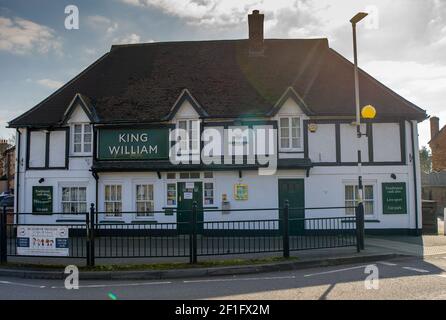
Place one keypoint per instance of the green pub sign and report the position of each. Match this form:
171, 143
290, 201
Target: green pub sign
42, 199
133, 144
394, 198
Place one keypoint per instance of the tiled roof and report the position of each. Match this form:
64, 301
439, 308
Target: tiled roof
140, 83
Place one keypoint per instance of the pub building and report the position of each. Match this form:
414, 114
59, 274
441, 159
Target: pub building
105, 136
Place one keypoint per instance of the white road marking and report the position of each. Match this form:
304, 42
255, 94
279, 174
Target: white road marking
387, 263
334, 271
443, 275
21, 284
238, 279
117, 285
416, 269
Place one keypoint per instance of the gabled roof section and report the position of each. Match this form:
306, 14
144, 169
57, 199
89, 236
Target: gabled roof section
290, 93
145, 83
185, 95
86, 105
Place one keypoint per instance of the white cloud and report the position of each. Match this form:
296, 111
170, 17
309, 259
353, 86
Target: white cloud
128, 39
102, 23
49, 83
22, 36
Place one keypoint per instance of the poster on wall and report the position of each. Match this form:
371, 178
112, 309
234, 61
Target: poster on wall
42, 241
241, 191
394, 198
42, 199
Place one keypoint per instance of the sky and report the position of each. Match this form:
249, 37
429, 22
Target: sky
402, 43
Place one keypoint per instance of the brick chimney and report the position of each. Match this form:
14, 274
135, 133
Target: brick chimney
255, 24
435, 126
3, 146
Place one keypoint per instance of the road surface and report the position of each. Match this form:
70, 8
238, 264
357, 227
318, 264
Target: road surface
408, 278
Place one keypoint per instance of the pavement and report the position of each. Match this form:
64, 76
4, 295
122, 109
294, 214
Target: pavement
391, 267
398, 278
377, 248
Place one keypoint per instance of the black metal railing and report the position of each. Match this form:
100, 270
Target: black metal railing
213, 234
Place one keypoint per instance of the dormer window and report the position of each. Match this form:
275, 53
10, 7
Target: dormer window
190, 142
290, 133
82, 138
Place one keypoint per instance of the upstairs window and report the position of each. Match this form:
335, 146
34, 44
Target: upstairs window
190, 137
290, 133
82, 139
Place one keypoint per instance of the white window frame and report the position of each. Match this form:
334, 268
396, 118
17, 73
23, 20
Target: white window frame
80, 184
151, 215
82, 143
189, 121
290, 137
106, 214
77, 202
375, 197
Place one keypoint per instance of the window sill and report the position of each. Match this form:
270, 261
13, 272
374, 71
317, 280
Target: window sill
366, 221
144, 222
70, 220
111, 222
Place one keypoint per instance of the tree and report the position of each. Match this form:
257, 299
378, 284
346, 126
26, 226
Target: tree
425, 160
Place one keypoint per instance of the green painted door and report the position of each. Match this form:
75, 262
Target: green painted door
188, 192
293, 191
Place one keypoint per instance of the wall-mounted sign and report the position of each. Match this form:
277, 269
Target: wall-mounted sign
188, 195
240, 191
394, 198
133, 144
42, 241
42, 199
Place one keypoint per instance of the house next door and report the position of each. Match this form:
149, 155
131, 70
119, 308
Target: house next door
188, 192
293, 191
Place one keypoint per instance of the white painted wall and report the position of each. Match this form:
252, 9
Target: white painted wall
322, 143
386, 142
349, 143
57, 150
37, 149
323, 187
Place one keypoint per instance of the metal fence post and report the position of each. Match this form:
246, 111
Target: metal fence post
359, 212
91, 235
286, 229
194, 233
3, 237
87, 242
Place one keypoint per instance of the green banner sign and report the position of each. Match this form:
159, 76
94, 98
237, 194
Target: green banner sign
394, 198
42, 200
133, 144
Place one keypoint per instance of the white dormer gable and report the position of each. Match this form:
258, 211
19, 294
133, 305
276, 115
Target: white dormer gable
185, 107
186, 111
290, 107
78, 115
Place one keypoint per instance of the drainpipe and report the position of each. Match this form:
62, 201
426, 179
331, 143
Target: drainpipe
17, 176
414, 167
96, 178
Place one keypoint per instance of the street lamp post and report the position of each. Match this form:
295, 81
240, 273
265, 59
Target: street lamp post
358, 17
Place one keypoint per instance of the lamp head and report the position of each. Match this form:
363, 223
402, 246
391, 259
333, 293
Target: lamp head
358, 17
368, 112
